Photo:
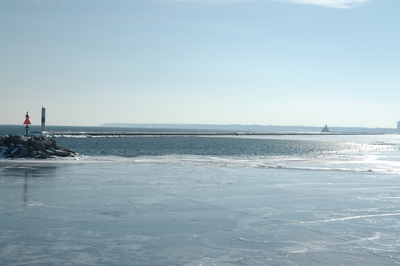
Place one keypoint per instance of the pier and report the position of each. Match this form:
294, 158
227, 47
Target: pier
198, 134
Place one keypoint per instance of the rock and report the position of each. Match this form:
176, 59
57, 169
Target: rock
55, 145
14, 152
23, 152
22, 141
41, 156
50, 152
40, 146
11, 146
47, 143
35, 147
10, 139
62, 153
4, 151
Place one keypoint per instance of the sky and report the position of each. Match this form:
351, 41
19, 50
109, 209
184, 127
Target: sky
265, 62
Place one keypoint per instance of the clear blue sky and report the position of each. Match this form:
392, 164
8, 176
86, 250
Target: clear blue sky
267, 62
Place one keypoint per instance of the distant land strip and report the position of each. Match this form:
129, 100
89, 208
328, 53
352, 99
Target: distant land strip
243, 128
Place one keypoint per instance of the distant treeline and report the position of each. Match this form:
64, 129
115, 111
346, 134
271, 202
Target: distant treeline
253, 128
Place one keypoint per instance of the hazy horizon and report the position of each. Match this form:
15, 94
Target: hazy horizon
194, 125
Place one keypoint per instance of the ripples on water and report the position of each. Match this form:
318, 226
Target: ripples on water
312, 146
218, 146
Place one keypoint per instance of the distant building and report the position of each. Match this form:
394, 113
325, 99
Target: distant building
325, 129
398, 126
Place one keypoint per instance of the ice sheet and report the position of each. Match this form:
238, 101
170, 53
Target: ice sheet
158, 214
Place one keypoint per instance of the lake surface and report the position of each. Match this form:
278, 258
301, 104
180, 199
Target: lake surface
266, 200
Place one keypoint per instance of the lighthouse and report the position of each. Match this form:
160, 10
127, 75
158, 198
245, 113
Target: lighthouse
43, 118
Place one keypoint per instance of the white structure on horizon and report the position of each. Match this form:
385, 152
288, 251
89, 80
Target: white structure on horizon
43, 118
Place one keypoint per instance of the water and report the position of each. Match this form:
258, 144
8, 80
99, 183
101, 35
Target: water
266, 200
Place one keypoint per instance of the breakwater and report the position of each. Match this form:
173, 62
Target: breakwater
200, 134
31, 147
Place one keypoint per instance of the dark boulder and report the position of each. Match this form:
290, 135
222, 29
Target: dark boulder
62, 153
55, 145
40, 146
42, 156
23, 152
14, 152
51, 152
4, 151
10, 139
11, 146
47, 143
22, 141
35, 147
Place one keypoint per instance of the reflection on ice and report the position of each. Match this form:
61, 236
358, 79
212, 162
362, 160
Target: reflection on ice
16, 170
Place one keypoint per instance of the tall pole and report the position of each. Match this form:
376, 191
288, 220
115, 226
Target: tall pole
43, 119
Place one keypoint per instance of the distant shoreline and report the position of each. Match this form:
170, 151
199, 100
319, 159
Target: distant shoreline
256, 128
184, 129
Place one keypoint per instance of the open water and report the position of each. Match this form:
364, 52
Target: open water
237, 200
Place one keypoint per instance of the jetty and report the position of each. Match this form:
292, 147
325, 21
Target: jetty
197, 134
36, 146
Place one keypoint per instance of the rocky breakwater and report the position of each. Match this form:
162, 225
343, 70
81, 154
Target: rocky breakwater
31, 147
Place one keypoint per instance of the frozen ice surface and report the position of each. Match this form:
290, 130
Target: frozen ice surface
158, 214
